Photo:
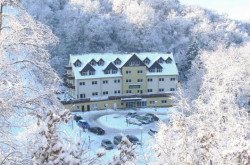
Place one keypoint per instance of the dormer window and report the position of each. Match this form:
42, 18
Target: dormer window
146, 60
84, 73
92, 62
77, 63
91, 72
159, 70
151, 70
114, 71
111, 68
101, 62
117, 61
169, 60
160, 60
107, 72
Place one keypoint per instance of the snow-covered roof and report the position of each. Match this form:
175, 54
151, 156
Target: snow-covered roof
168, 68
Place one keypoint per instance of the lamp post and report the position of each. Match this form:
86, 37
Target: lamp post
73, 119
141, 128
106, 106
155, 105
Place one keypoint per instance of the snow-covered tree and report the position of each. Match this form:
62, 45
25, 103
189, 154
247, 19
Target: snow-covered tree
127, 154
210, 127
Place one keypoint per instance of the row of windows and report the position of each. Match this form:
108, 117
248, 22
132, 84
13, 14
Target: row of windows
127, 91
138, 71
149, 80
104, 82
160, 90
155, 102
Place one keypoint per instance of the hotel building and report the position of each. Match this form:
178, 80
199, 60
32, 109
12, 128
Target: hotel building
100, 81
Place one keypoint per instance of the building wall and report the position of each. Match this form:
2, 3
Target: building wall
134, 76
100, 87
113, 104
155, 85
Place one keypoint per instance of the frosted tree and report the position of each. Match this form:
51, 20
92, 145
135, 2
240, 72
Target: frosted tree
126, 154
27, 89
211, 128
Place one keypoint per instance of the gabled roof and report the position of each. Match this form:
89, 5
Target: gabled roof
93, 60
134, 58
146, 59
117, 60
155, 65
88, 67
101, 60
160, 60
169, 60
77, 61
110, 66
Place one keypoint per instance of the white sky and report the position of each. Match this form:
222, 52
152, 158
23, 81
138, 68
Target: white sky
236, 9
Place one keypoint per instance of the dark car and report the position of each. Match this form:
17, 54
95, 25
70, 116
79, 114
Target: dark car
131, 114
117, 139
144, 119
97, 130
133, 139
107, 144
152, 116
152, 132
77, 118
83, 124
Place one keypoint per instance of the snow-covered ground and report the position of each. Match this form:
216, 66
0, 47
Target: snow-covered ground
114, 123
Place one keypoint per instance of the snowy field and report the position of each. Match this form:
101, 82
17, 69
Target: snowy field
114, 123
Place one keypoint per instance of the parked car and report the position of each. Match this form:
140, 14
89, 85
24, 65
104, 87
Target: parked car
133, 139
107, 144
83, 124
96, 130
152, 132
152, 116
144, 119
117, 139
133, 121
131, 114
77, 118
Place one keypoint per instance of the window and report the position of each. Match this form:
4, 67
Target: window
151, 70
150, 90
84, 73
82, 83
172, 89
114, 71
105, 92
91, 72
95, 94
139, 71
128, 80
163, 101
94, 82
105, 81
117, 81
172, 79
82, 96
150, 79
128, 91
128, 71
139, 80
161, 79
159, 70
117, 91
107, 72
161, 90
139, 91
151, 102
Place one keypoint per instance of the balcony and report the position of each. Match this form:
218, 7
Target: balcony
69, 85
68, 76
68, 67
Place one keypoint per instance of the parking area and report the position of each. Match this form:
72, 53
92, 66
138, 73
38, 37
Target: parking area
101, 129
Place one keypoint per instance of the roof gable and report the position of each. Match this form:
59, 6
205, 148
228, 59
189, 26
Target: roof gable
110, 66
155, 65
77, 63
117, 61
160, 60
100, 62
134, 61
88, 67
169, 60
